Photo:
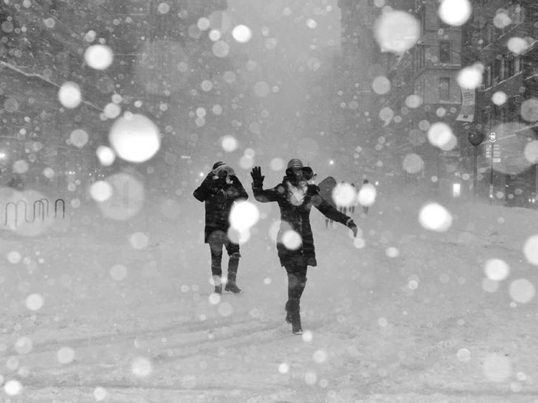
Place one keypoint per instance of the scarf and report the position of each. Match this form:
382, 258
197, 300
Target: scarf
296, 194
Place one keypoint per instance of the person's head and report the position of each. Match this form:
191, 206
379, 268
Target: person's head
297, 172
222, 172
218, 164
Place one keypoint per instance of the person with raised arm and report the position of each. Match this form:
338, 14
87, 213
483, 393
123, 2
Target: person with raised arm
296, 195
219, 190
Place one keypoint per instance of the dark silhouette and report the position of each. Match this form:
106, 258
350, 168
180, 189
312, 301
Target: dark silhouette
16, 182
219, 190
326, 188
352, 207
365, 208
295, 197
342, 208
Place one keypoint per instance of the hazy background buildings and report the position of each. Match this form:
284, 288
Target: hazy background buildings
312, 82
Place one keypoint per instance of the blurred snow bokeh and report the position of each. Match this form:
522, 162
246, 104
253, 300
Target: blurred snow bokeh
106, 280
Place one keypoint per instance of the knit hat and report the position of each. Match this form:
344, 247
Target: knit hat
295, 163
218, 164
224, 168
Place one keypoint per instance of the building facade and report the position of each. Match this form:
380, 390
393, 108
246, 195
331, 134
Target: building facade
354, 117
502, 36
425, 91
42, 46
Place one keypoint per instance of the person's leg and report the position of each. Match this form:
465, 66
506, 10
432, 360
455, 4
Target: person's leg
233, 265
296, 285
215, 244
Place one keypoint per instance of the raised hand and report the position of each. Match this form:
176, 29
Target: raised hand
257, 177
353, 227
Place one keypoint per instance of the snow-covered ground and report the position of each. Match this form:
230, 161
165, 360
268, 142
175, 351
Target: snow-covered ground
409, 316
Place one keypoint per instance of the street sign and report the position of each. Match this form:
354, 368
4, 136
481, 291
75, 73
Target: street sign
492, 137
496, 151
493, 151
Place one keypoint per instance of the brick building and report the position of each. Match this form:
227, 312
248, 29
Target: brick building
502, 36
424, 91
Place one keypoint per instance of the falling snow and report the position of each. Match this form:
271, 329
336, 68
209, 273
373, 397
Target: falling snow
418, 121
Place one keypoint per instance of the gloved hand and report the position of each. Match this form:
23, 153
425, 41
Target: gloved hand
234, 180
353, 227
257, 177
210, 184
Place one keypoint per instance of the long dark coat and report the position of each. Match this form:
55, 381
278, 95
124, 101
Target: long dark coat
298, 218
218, 203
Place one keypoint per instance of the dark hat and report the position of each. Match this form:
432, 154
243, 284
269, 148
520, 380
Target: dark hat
296, 163
218, 164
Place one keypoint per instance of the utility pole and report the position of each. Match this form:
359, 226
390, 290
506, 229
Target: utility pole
476, 138
492, 137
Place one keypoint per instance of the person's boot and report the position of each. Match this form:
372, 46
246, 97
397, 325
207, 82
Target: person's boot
296, 324
288, 313
218, 284
231, 285
295, 316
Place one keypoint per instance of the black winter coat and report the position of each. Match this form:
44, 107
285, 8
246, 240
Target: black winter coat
298, 218
219, 199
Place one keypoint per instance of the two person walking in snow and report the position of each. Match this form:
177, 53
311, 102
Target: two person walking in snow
296, 196
219, 190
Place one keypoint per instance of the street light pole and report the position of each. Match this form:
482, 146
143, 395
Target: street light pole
475, 172
475, 137
492, 137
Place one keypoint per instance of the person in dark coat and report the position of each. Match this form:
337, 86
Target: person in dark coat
16, 182
365, 208
296, 197
219, 190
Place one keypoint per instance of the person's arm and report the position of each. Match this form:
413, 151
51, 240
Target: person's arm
332, 213
237, 189
260, 194
206, 189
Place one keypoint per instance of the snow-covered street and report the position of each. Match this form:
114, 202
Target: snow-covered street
366, 170
405, 317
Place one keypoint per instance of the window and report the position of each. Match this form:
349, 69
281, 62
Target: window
513, 109
503, 114
485, 115
487, 76
517, 14
502, 68
444, 51
490, 34
444, 88
420, 57
135, 7
419, 88
510, 66
442, 24
496, 71
517, 65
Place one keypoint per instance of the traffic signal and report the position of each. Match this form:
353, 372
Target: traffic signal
475, 137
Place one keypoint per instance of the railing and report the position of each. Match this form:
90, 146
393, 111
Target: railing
39, 209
